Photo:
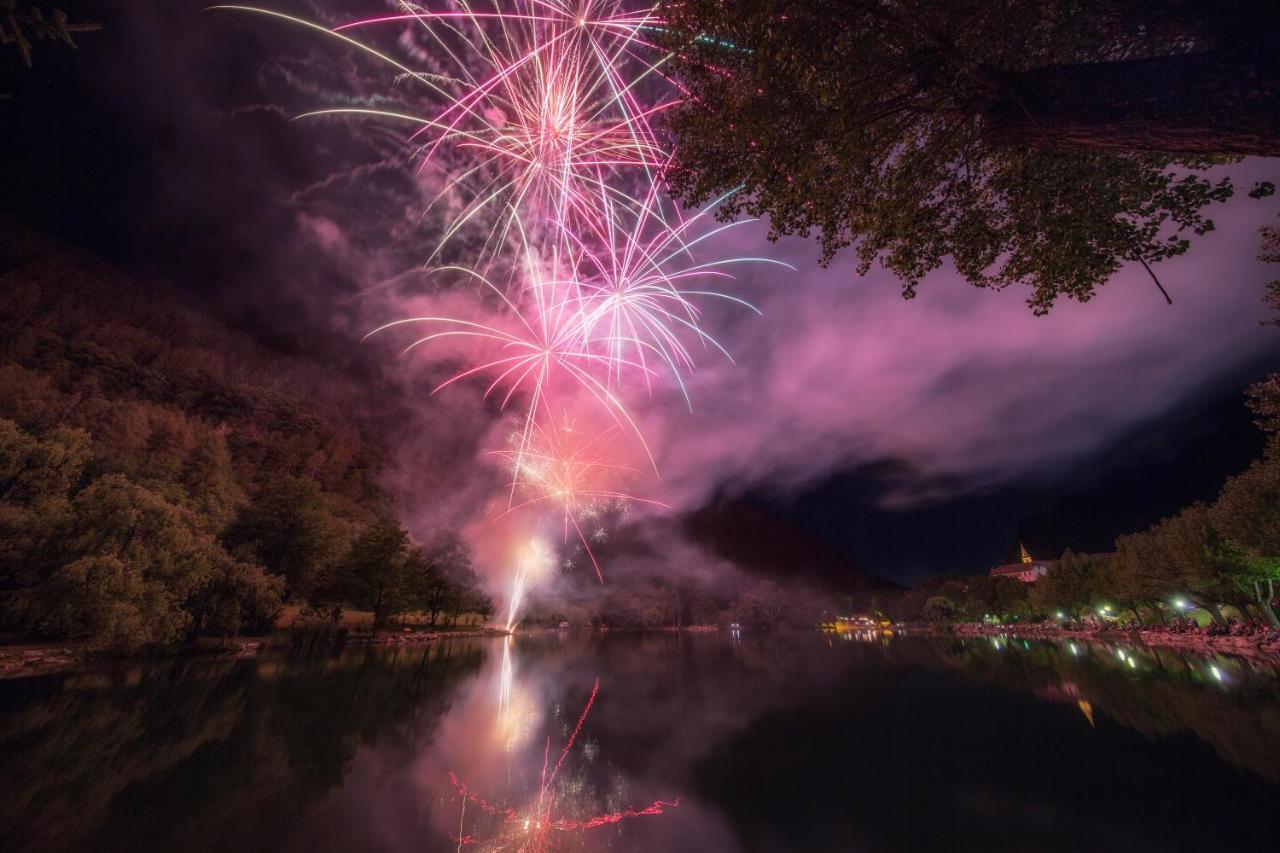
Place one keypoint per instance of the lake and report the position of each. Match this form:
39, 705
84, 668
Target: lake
651, 742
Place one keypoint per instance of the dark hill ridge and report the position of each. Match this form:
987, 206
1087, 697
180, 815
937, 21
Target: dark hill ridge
166, 478
154, 382
83, 345
764, 543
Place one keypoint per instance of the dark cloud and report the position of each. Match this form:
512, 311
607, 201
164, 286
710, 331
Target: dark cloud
960, 388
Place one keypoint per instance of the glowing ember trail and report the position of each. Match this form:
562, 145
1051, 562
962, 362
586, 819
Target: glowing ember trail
535, 560
540, 117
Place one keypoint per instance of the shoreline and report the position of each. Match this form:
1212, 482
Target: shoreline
24, 660
21, 660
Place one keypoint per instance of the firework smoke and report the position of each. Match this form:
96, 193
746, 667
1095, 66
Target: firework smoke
539, 115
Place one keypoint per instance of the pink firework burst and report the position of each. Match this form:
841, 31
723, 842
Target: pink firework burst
529, 107
540, 116
572, 472
541, 351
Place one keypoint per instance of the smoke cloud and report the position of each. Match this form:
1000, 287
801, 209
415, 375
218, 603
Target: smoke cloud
315, 232
959, 389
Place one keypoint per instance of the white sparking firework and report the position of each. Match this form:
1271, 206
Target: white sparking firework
533, 562
541, 116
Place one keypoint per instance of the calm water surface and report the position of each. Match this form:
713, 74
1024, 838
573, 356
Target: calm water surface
655, 742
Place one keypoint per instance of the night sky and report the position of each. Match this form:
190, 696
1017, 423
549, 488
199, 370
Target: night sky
917, 437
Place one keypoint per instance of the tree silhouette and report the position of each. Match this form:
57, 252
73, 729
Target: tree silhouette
1033, 144
19, 25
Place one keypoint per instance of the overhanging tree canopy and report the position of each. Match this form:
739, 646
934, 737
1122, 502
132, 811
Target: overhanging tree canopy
1036, 144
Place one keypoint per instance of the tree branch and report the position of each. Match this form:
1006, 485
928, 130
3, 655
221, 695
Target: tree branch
1201, 103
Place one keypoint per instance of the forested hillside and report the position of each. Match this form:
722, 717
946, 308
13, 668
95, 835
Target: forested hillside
163, 476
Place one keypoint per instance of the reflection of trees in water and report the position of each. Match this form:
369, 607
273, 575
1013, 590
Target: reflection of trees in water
1163, 693
670, 694
67, 753
194, 754
239, 750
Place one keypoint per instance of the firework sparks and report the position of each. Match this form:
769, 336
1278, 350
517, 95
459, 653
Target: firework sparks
540, 115
571, 470
544, 348
534, 561
637, 305
532, 107
598, 311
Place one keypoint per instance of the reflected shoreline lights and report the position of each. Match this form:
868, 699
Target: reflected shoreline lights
248, 747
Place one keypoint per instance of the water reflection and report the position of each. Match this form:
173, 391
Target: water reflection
568, 796
574, 741
1231, 703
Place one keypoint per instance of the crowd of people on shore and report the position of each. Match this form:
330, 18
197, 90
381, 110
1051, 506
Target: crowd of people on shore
1028, 629
1246, 628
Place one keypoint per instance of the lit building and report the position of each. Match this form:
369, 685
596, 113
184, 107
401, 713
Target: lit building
1027, 569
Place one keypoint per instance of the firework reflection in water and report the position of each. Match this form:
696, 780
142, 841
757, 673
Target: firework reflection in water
556, 809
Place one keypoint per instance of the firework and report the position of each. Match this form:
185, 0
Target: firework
540, 115
638, 303
540, 351
531, 108
533, 562
572, 471
608, 306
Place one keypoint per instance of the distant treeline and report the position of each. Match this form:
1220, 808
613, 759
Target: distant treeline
163, 477
1208, 557
663, 601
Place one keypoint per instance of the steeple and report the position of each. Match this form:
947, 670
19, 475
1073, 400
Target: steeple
1025, 557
